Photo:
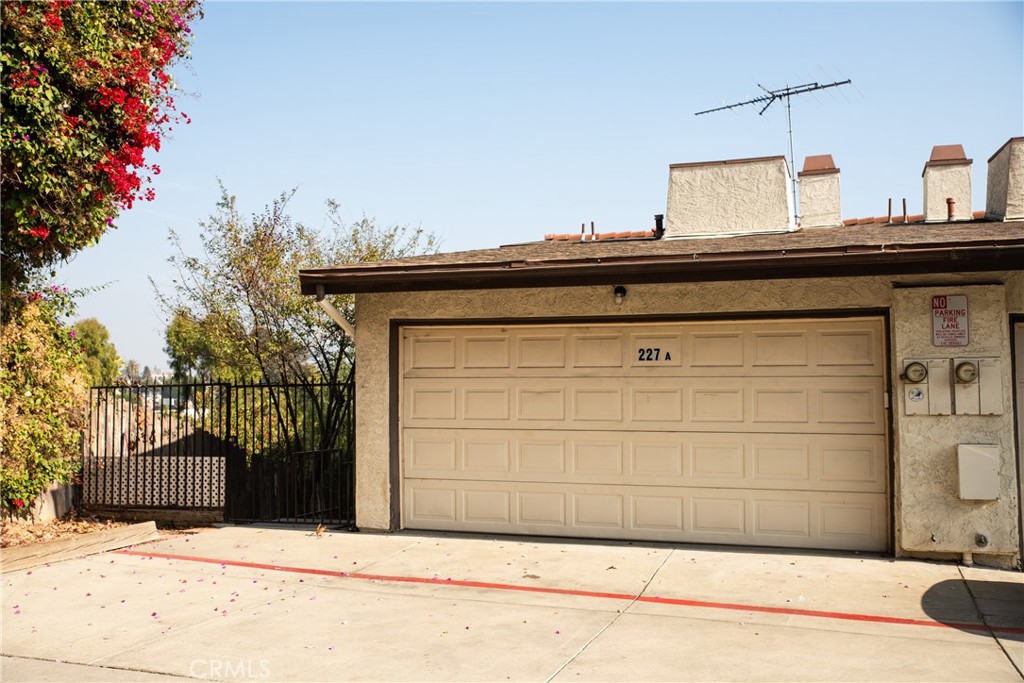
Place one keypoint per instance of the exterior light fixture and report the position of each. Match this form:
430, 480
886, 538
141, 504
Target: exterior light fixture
619, 293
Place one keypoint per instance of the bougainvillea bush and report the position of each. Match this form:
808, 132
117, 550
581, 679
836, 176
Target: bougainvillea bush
86, 93
43, 398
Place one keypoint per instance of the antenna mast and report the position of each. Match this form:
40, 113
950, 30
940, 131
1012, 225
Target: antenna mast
781, 94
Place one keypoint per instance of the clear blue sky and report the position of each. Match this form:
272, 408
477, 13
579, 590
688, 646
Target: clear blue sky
490, 124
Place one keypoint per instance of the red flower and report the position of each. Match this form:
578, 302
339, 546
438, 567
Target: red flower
53, 21
18, 503
41, 232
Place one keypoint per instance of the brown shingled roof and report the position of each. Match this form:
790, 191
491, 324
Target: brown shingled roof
863, 249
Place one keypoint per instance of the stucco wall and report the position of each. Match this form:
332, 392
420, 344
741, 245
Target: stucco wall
819, 201
941, 182
1005, 197
932, 518
915, 483
734, 197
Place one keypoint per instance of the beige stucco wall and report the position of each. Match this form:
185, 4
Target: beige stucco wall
819, 201
733, 197
1005, 191
941, 182
925, 503
932, 518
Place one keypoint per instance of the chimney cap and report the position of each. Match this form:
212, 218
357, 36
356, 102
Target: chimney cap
947, 155
821, 163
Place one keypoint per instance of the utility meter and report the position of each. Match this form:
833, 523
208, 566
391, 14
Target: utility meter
915, 372
966, 372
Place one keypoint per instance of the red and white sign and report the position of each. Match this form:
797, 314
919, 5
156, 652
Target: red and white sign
950, 320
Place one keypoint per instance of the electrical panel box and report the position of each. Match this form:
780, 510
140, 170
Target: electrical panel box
939, 391
952, 386
978, 466
966, 374
991, 386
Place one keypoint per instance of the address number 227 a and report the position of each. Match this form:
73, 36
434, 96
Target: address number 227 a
648, 354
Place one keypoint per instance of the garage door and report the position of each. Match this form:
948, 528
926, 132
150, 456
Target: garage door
742, 432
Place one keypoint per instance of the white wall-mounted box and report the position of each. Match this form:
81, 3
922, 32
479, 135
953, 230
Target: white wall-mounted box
940, 393
991, 386
978, 466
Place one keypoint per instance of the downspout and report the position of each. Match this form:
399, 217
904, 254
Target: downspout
334, 313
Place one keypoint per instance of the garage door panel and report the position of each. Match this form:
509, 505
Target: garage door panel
486, 352
762, 461
740, 348
663, 348
430, 351
758, 432
758, 404
780, 348
540, 351
596, 404
597, 351
675, 514
485, 404
841, 345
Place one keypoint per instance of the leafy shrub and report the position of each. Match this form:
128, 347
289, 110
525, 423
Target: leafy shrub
43, 398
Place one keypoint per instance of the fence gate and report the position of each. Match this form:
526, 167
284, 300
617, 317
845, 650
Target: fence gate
291, 456
249, 452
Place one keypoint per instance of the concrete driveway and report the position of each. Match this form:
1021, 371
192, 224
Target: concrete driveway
275, 604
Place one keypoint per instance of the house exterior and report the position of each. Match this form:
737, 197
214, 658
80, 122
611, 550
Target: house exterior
733, 376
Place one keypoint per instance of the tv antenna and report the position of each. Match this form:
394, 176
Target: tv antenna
773, 96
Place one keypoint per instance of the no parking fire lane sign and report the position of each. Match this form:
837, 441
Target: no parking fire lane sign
950, 325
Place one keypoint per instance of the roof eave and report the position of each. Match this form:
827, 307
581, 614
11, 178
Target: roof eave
697, 267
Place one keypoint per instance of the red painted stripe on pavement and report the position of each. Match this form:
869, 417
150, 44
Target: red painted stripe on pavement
464, 583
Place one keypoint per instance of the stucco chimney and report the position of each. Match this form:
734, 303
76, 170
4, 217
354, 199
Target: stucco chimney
729, 197
1004, 200
947, 175
819, 193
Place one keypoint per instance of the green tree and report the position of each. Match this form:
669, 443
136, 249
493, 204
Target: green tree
131, 370
196, 354
236, 311
43, 391
84, 94
101, 359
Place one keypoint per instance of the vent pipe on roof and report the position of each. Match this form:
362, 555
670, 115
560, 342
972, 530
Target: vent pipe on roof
819, 193
1005, 192
947, 175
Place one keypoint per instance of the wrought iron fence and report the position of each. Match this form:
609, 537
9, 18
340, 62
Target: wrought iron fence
294, 457
268, 452
159, 446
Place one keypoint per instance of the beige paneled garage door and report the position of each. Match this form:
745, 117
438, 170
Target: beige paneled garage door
751, 432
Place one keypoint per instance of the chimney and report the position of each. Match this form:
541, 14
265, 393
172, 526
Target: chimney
729, 197
947, 175
819, 193
1005, 195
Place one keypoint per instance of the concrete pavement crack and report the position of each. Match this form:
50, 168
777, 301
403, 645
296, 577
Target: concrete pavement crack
130, 669
615, 618
984, 620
